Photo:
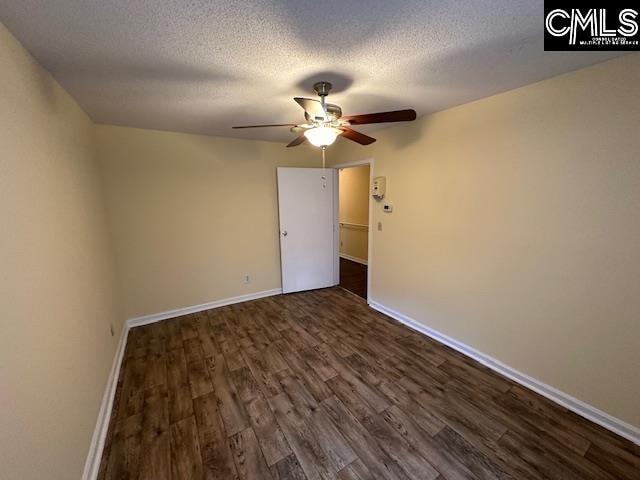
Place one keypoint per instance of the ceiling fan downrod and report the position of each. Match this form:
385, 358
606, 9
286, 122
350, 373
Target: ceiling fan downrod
322, 89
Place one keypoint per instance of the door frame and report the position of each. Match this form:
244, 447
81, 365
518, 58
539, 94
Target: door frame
367, 161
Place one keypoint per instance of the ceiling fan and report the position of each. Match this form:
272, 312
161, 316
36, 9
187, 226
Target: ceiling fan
325, 121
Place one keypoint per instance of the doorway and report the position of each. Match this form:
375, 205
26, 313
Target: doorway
354, 182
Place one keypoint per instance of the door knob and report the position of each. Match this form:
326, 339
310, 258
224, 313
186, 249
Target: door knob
284, 233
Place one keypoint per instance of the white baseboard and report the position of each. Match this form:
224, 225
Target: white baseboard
92, 464
94, 457
156, 317
353, 259
583, 409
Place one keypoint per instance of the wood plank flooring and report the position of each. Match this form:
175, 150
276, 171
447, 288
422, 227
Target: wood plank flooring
318, 386
353, 277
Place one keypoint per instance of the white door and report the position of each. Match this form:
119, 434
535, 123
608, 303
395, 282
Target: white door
307, 200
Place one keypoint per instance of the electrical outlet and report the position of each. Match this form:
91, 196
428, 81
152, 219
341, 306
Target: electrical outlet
111, 330
380, 226
247, 278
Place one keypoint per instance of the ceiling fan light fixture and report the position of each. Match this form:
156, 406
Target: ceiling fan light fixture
322, 136
325, 121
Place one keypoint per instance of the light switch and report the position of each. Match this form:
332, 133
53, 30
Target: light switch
380, 226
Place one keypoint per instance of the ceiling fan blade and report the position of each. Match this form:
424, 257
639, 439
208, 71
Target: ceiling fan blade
313, 108
357, 137
382, 117
297, 141
274, 125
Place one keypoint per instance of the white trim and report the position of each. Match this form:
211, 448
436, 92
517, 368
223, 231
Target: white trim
360, 226
94, 456
583, 409
353, 259
156, 317
357, 163
336, 227
371, 162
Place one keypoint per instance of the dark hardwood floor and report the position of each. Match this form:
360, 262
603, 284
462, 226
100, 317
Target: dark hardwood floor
316, 385
353, 277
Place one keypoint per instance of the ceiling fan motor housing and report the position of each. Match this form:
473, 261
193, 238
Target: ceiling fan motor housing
334, 112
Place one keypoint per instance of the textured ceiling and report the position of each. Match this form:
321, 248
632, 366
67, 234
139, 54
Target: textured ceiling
202, 66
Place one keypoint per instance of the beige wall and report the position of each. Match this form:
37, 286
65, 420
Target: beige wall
516, 229
354, 209
57, 278
192, 215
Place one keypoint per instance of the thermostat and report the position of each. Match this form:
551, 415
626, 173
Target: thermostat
387, 208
